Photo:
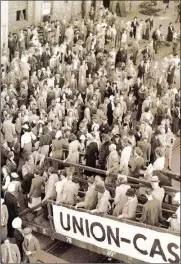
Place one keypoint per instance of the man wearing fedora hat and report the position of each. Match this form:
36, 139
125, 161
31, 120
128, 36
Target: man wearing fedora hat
90, 200
129, 209
151, 213
31, 246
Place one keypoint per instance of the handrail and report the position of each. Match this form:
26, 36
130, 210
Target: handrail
170, 174
102, 172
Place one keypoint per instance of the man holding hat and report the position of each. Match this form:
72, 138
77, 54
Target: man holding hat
31, 246
129, 209
151, 213
90, 200
120, 194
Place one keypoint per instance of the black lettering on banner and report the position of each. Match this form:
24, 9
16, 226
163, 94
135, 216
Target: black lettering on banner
68, 222
177, 259
77, 225
87, 227
159, 251
101, 239
114, 237
136, 237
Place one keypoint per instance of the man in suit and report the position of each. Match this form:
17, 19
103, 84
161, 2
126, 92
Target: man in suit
145, 146
103, 151
112, 164
31, 246
10, 252
90, 200
136, 162
45, 58
104, 127
36, 187
11, 202
9, 130
134, 25
4, 220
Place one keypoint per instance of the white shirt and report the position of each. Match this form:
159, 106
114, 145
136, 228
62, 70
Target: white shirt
159, 163
59, 188
26, 138
125, 156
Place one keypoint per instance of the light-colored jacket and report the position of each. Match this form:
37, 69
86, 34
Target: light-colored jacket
15, 254
129, 209
91, 198
112, 164
8, 130
70, 192
32, 245
103, 202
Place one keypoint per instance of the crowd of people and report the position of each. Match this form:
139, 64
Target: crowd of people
94, 92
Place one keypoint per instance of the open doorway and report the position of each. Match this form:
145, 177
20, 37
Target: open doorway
106, 3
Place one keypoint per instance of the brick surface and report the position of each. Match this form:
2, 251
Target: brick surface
14, 6
69, 9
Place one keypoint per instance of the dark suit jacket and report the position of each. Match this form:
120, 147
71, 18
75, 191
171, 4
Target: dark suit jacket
36, 185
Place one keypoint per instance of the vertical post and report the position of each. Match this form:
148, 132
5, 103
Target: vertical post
50, 216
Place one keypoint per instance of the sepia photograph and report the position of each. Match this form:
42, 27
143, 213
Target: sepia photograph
90, 131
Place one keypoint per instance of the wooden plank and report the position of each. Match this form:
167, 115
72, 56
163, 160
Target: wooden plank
45, 257
102, 172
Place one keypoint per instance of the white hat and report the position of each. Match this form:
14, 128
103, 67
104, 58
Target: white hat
11, 187
17, 222
58, 134
14, 175
177, 197
2, 200
25, 126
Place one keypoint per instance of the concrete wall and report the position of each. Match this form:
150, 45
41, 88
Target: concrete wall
67, 9
4, 22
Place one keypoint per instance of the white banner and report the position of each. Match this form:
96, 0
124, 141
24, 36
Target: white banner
137, 242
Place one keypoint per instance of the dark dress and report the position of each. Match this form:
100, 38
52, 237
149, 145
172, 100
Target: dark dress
12, 205
170, 33
91, 156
